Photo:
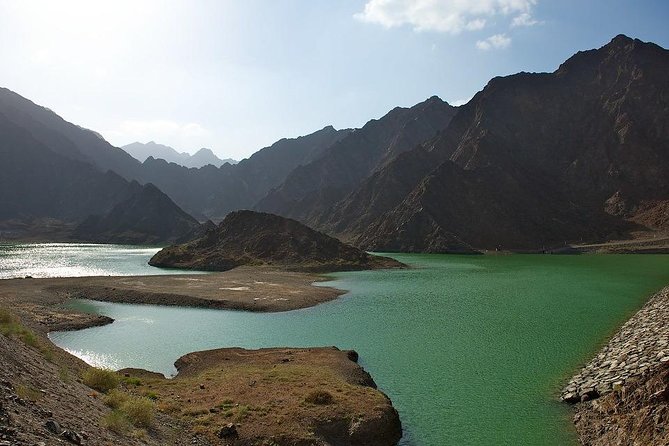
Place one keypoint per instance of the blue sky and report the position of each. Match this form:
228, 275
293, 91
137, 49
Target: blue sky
235, 76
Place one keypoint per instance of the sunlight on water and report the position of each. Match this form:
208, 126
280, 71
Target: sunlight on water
41, 260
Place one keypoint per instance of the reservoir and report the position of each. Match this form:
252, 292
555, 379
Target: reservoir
472, 350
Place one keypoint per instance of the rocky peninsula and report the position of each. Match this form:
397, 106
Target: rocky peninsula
258, 238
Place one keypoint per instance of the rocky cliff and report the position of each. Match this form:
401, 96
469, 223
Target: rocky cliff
534, 160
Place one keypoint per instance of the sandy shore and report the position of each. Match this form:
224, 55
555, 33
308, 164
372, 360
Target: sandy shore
244, 288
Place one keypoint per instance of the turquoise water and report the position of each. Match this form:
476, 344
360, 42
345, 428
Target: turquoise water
471, 349
41, 260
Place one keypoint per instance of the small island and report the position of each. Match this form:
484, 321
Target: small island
262, 239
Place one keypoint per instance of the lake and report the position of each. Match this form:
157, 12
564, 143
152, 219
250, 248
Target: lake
471, 349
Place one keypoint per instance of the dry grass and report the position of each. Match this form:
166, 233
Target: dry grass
265, 400
140, 411
10, 326
319, 397
102, 380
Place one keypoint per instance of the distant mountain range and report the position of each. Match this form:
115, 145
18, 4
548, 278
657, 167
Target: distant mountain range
200, 158
51, 168
534, 161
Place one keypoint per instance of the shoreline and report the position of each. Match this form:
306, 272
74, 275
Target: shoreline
639, 346
243, 289
615, 394
232, 394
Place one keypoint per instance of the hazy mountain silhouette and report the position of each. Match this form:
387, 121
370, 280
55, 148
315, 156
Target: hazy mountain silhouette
200, 158
52, 168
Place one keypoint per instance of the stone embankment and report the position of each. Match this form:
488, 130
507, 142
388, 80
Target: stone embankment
638, 348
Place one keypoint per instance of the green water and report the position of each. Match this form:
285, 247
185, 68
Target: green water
471, 349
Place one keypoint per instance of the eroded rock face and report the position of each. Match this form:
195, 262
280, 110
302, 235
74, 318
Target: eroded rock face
532, 162
255, 238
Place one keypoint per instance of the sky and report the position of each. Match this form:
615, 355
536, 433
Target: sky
236, 76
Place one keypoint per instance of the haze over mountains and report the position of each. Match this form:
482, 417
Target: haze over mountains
533, 161
200, 158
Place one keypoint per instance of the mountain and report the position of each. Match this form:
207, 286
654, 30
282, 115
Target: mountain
201, 158
247, 237
51, 170
310, 190
205, 156
210, 192
146, 216
534, 160
64, 138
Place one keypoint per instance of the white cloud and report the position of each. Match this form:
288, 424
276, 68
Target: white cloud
525, 19
498, 41
450, 16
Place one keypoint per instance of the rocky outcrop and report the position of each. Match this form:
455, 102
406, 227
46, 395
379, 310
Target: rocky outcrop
256, 238
336, 402
640, 347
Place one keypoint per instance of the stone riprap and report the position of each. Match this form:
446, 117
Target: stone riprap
640, 346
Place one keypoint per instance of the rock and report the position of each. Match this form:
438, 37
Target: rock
352, 355
53, 427
571, 398
71, 436
228, 431
589, 394
201, 386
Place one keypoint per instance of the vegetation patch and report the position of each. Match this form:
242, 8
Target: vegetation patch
28, 393
10, 326
128, 411
102, 380
140, 411
320, 397
116, 398
117, 422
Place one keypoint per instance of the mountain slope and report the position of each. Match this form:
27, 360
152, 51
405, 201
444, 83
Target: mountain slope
146, 216
312, 189
64, 138
210, 192
47, 177
536, 160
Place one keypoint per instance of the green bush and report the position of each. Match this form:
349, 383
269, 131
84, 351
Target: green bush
115, 398
5, 317
139, 411
102, 380
117, 422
